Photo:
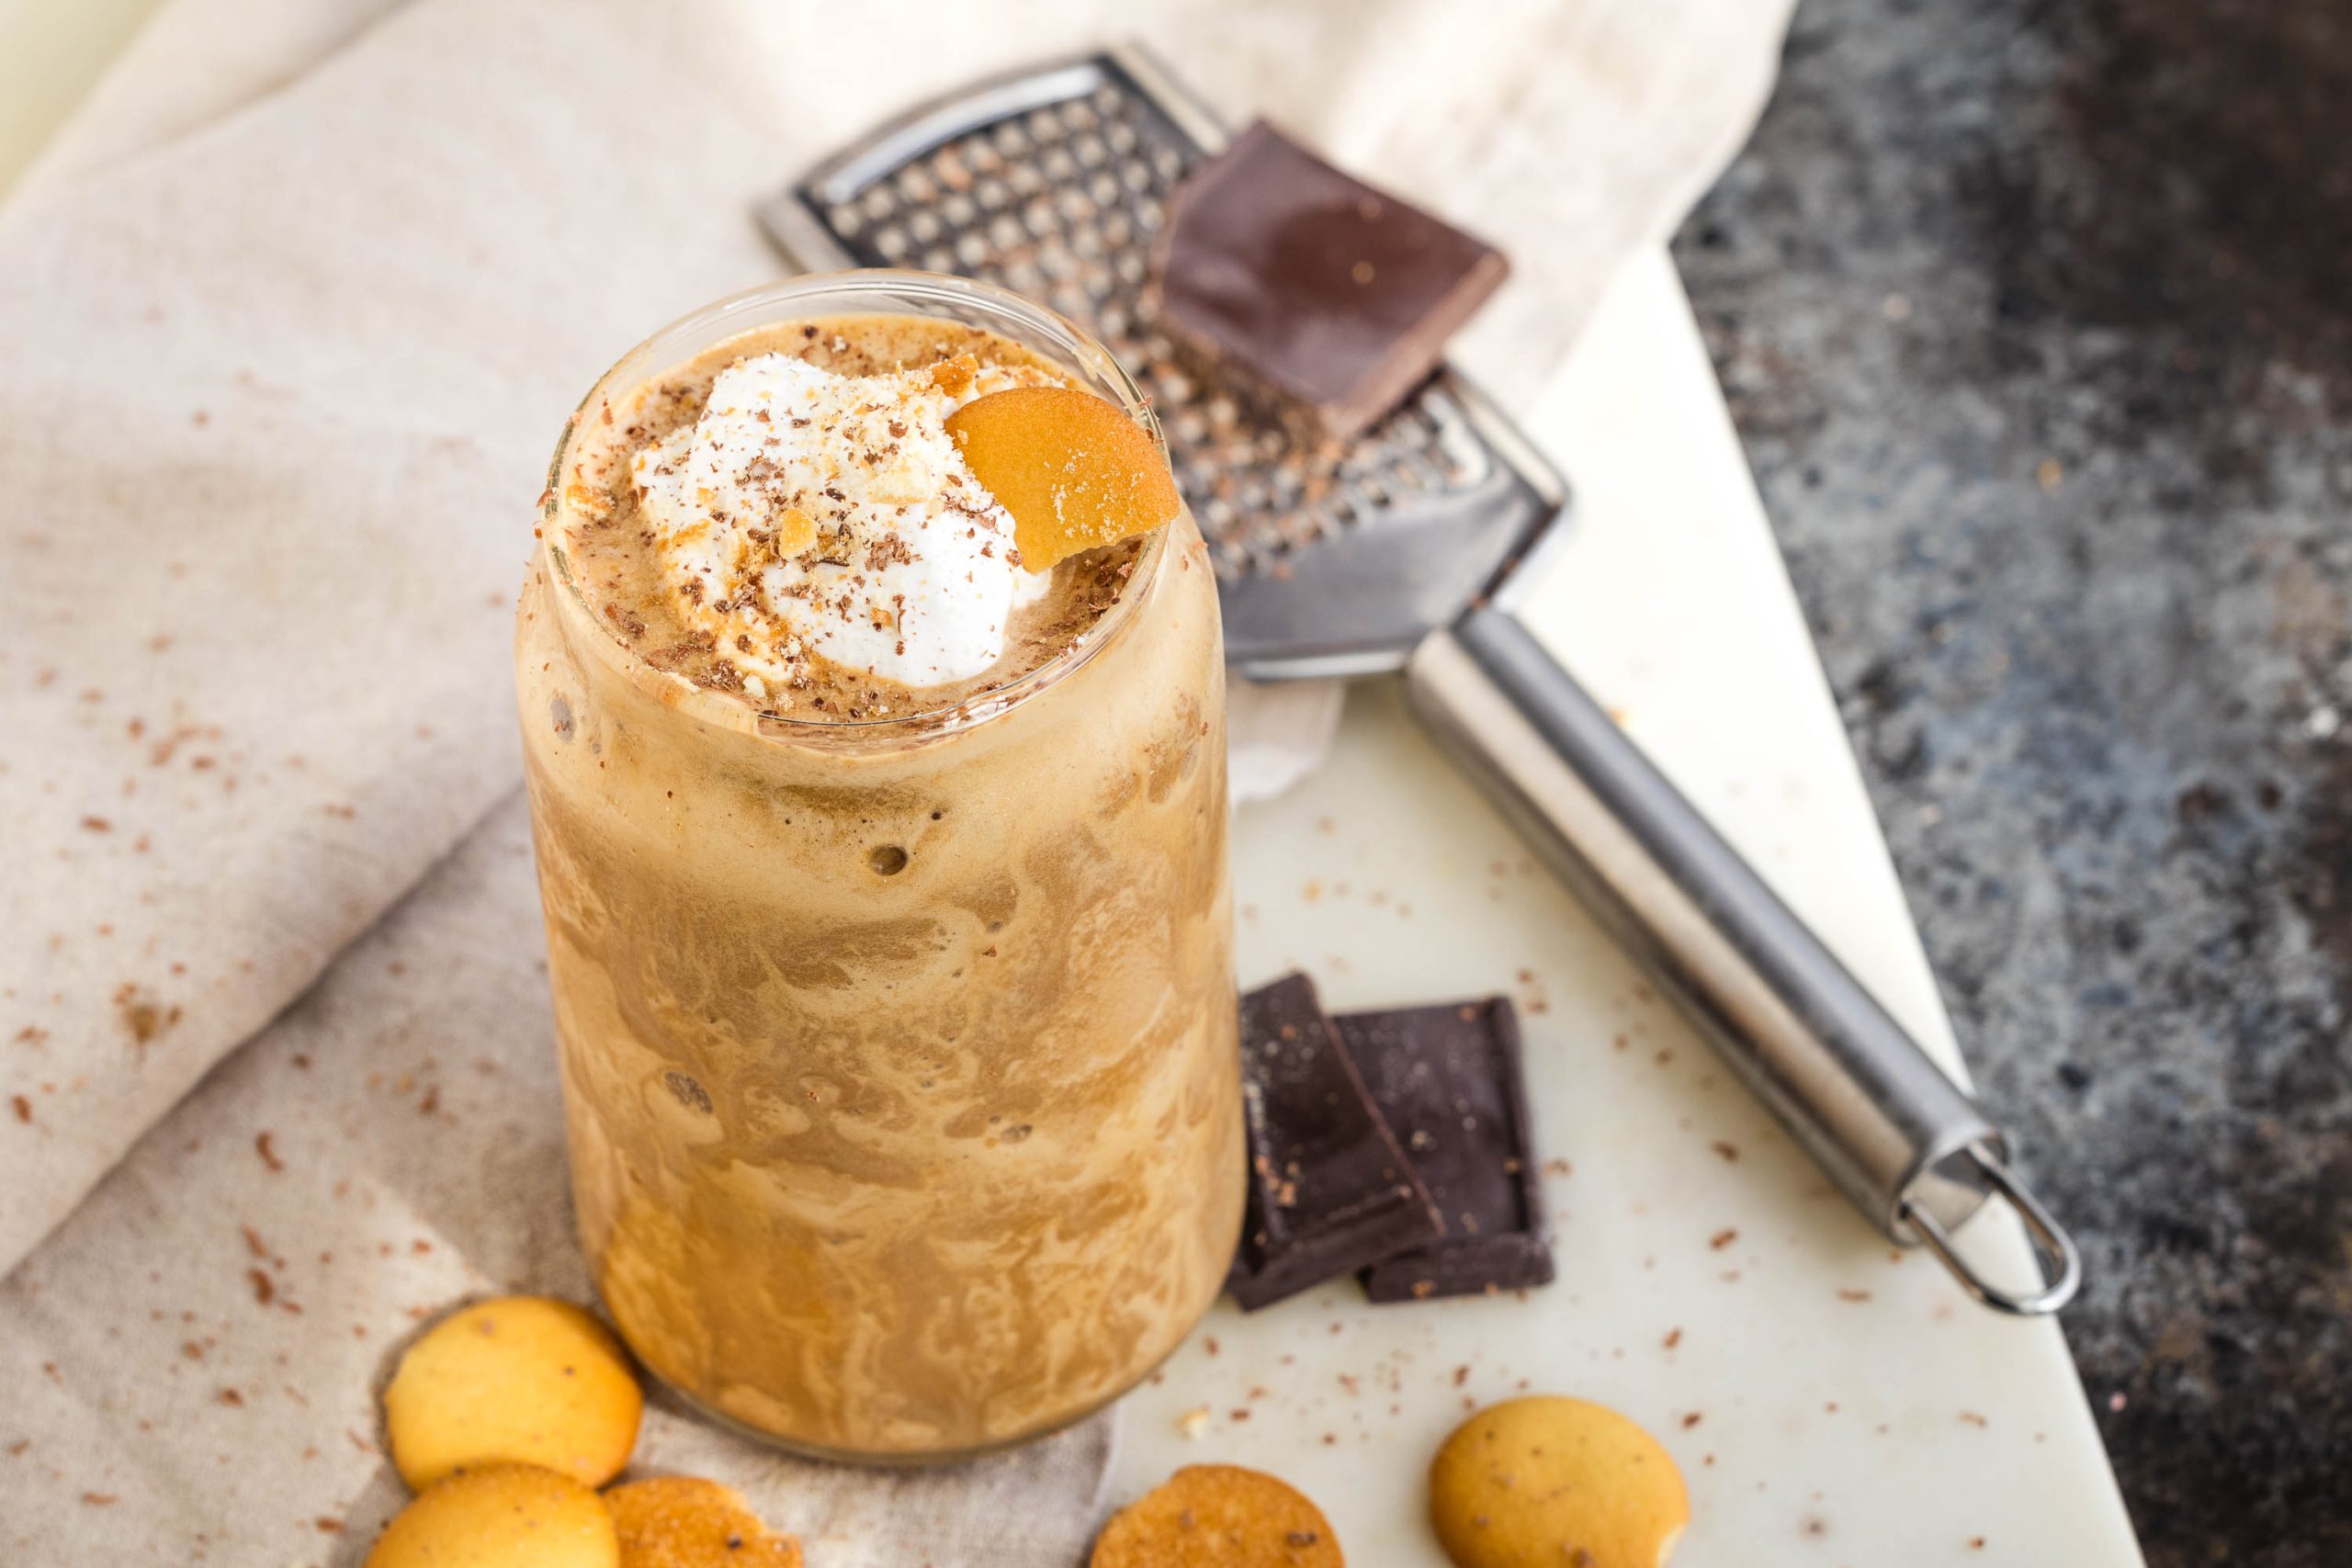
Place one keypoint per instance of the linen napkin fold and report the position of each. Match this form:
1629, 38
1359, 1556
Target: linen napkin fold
292, 318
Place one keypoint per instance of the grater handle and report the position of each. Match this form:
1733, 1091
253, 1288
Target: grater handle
1898, 1138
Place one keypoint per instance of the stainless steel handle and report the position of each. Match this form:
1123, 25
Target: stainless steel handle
1899, 1139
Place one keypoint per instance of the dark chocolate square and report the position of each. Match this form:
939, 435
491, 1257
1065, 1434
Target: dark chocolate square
1330, 1189
1447, 1081
1333, 295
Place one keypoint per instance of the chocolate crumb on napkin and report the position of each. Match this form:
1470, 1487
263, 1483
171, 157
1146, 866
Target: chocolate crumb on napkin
1448, 1082
1334, 296
1329, 1190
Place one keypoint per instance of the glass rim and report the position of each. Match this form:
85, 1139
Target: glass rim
881, 291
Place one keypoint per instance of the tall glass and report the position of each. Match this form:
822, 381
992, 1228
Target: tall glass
898, 1057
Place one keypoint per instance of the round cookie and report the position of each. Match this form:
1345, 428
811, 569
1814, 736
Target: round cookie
523, 1379
1555, 1481
680, 1521
1218, 1516
503, 1515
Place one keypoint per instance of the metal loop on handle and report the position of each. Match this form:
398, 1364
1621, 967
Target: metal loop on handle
2051, 1244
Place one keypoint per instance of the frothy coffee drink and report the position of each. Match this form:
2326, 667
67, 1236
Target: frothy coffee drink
885, 889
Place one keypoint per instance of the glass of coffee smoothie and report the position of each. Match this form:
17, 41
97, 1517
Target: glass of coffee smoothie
887, 913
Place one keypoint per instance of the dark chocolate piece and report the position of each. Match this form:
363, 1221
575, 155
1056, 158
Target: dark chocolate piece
1331, 294
1448, 1083
1330, 1189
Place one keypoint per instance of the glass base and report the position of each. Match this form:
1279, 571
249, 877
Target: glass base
912, 1460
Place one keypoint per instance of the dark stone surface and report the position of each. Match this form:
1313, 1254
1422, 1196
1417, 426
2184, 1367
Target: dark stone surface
2036, 323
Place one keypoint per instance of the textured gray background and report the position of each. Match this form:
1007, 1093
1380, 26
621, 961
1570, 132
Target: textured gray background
2036, 323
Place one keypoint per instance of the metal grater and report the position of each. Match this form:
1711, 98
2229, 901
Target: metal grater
1405, 551
1054, 183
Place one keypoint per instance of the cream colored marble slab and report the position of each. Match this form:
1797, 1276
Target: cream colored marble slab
1830, 1401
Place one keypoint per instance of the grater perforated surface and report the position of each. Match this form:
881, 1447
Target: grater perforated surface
1060, 200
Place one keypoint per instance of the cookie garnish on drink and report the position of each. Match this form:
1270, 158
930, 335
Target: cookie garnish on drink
1074, 470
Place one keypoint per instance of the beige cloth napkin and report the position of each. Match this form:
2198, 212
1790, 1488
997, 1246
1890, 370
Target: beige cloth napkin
291, 318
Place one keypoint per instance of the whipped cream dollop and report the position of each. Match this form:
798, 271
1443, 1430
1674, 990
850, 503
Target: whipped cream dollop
809, 513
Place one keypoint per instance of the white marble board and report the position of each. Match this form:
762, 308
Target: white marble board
1829, 1399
